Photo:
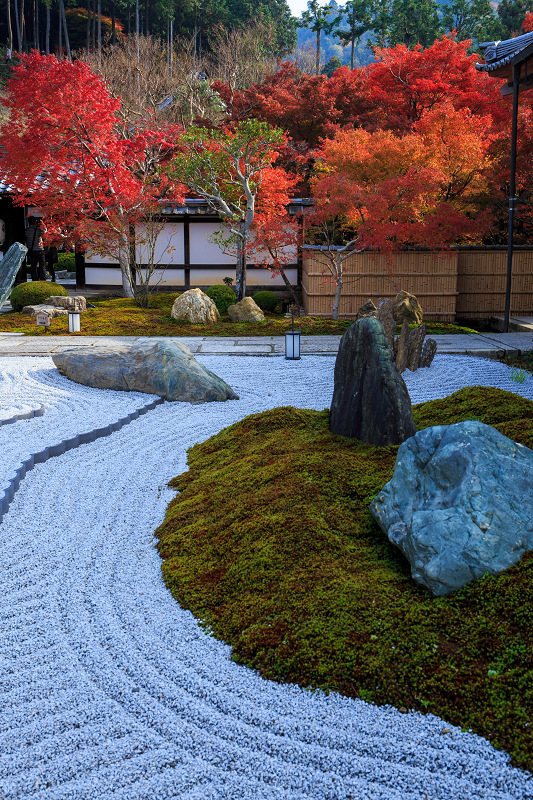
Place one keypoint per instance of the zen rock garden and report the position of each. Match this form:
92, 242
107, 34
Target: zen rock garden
458, 503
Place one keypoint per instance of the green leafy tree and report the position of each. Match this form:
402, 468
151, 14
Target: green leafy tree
232, 171
357, 18
414, 22
471, 19
333, 64
319, 19
512, 14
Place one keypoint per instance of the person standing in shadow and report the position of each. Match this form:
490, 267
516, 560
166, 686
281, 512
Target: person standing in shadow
51, 260
35, 245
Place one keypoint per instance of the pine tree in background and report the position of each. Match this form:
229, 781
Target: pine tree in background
356, 21
319, 19
472, 19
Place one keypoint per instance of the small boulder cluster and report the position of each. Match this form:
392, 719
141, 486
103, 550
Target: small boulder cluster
197, 308
57, 306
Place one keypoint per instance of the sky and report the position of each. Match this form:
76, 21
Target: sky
297, 6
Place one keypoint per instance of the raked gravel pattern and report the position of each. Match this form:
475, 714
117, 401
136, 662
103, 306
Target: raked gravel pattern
109, 690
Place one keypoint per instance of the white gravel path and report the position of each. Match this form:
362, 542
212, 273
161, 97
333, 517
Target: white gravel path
108, 689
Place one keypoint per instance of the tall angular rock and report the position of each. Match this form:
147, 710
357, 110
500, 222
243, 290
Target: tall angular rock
370, 399
416, 343
385, 315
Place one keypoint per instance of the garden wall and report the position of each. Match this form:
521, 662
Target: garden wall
481, 280
431, 277
465, 283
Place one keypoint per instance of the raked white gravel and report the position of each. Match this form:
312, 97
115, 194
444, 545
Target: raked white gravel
109, 690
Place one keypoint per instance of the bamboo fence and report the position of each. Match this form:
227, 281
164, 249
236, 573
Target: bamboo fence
464, 283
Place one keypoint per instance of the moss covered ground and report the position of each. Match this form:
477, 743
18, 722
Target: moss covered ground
270, 543
122, 317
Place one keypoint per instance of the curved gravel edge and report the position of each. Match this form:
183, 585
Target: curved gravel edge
62, 447
36, 412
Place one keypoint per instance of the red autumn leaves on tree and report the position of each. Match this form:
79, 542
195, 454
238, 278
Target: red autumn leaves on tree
66, 151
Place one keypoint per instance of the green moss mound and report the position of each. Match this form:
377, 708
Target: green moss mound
34, 293
222, 296
267, 301
271, 544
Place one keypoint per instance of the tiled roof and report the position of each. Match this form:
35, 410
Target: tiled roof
499, 54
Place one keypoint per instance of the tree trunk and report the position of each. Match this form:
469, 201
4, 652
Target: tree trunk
351, 57
125, 270
338, 289
9, 28
240, 272
47, 34
113, 24
289, 286
36, 37
17, 25
88, 26
22, 25
317, 51
171, 46
99, 15
65, 29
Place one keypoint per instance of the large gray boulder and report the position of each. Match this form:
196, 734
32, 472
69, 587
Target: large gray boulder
167, 369
370, 399
459, 504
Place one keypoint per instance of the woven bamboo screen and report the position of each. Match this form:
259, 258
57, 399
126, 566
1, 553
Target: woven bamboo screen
481, 280
431, 277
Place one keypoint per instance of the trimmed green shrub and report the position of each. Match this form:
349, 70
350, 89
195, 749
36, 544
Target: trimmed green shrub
222, 296
267, 301
31, 294
66, 261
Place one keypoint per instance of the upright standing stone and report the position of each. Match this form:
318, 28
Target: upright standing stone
416, 343
402, 347
385, 315
9, 266
370, 399
428, 352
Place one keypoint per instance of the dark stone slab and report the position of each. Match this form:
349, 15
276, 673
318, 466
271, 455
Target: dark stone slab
9, 266
370, 399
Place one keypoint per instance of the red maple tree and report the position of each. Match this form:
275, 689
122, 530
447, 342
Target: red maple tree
66, 151
383, 191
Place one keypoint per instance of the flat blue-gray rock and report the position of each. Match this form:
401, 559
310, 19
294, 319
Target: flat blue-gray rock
370, 399
459, 504
167, 369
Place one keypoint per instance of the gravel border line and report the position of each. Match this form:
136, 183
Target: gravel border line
63, 447
36, 412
